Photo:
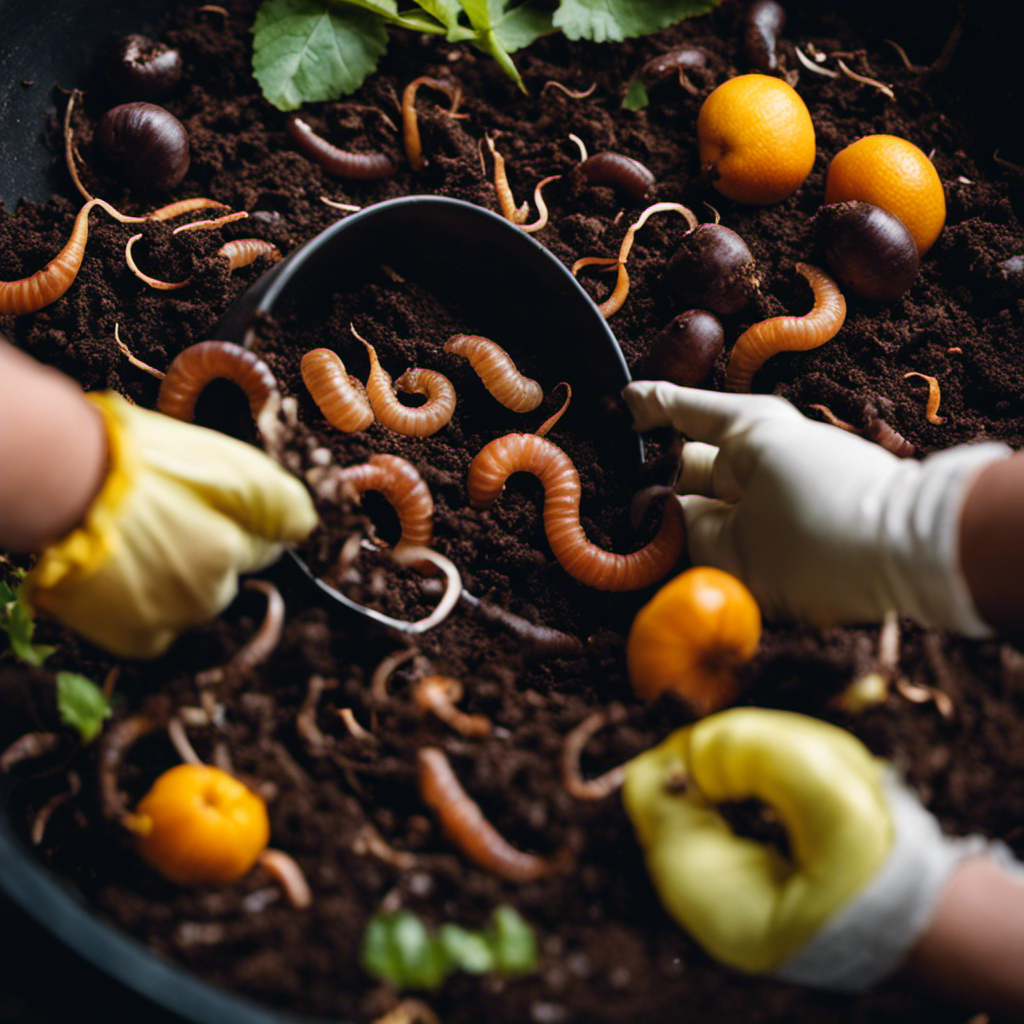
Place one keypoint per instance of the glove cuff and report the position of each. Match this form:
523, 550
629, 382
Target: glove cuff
90, 544
869, 937
920, 532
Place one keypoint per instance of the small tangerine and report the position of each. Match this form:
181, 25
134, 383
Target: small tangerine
756, 133
692, 636
896, 175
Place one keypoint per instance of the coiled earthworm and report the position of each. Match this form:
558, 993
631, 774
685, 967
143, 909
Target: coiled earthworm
423, 421
464, 823
196, 366
405, 490
585, 562
438, 695
240, 252
760, 342
410, 123
339, 396
934, 396
677, 60
342, 164
497, 371
628, 174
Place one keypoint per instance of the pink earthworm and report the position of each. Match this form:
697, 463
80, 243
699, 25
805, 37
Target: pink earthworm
339, 396
585, 562
196, 366
498, 372
423, 421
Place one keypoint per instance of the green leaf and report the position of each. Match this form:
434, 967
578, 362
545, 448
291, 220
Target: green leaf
389, 12
303, 52
636, 96
521, 26
469, 951
614, 20
512, 941
81, 704
16, 622
398, 948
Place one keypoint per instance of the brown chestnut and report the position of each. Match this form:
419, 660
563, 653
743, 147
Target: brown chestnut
139, 68
686, 350
713, 268
763, 26
870, 251
146, 144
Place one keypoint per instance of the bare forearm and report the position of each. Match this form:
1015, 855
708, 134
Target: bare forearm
52, 453
973, 949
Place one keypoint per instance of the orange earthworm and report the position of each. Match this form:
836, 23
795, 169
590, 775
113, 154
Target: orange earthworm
545, 428
438, 695
209, 225
240, 252
403, 487
339, 396
498, 372
194, 367
287, 873
422, 421
181, 207
464, 823
506, 201
542, 207
934, 397
45, 286
585, 562
336, 161
410, 123
153, 282
757, 344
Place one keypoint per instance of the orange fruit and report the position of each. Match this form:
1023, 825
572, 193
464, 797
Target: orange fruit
756, 133
692, 636
894, 174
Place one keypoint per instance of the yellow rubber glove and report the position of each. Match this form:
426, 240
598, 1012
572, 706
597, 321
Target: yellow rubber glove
867, 861
182, 512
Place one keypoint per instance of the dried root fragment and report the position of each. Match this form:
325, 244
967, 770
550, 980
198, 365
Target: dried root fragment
832, 418
29, 747
305, 720
415, 556
506, 202
589, 789
409, 1011
464, 823
864, 80
438, 695
385, 670
410, 123
545, 428
114, 744
209, 225
287, 873
131, 357
259, 647
153, 282
369, 841
573, 94
37, 830
934, 396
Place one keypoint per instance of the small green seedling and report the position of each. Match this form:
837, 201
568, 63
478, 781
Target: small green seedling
16, 622
81, 704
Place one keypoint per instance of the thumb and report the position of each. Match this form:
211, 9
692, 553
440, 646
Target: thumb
709, 532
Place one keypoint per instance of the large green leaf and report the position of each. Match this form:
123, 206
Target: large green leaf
521, 26
304, 52
615, 20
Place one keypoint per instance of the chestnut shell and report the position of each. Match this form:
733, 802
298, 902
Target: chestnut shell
685, 350
146, 144
140, 68
713, 269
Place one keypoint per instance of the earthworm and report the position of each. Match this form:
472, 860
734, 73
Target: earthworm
934, 397
923, 694
28, 748
363, 166
181, 207
180, 741
760, 342
386, 669
423, 421
287, 873
410, 123
679, 59
506, 201
405, 490
153, 282
439, 694
602, 786
196, 366
585, 562
305, 719
763, 25
340, 397
42, 818
540, 641
879, 431
573, 94
209, 225
115, 743
497, 371
464, 823
628, 174
546, 426
351, 723
542, 207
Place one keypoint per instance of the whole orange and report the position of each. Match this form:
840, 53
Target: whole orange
199, 824
894, 174
692, 636
756, 133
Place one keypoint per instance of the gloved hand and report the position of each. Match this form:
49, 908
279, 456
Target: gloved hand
823, 526
182, 512
867, 864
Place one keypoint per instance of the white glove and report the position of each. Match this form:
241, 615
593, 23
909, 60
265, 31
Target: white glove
821, 525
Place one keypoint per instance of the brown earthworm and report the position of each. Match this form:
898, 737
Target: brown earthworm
585, 562
114, 744
287, 873
464, 823
887, 436
422, 421
628, 174
438, 695
498, 372
410, 123
241, 252
196, 366
934, 396
760, 342
28, 747
42, 818
401, 484
676, 60
336, 161
339, 396
539, 641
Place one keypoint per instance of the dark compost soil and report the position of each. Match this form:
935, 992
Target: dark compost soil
609, 953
